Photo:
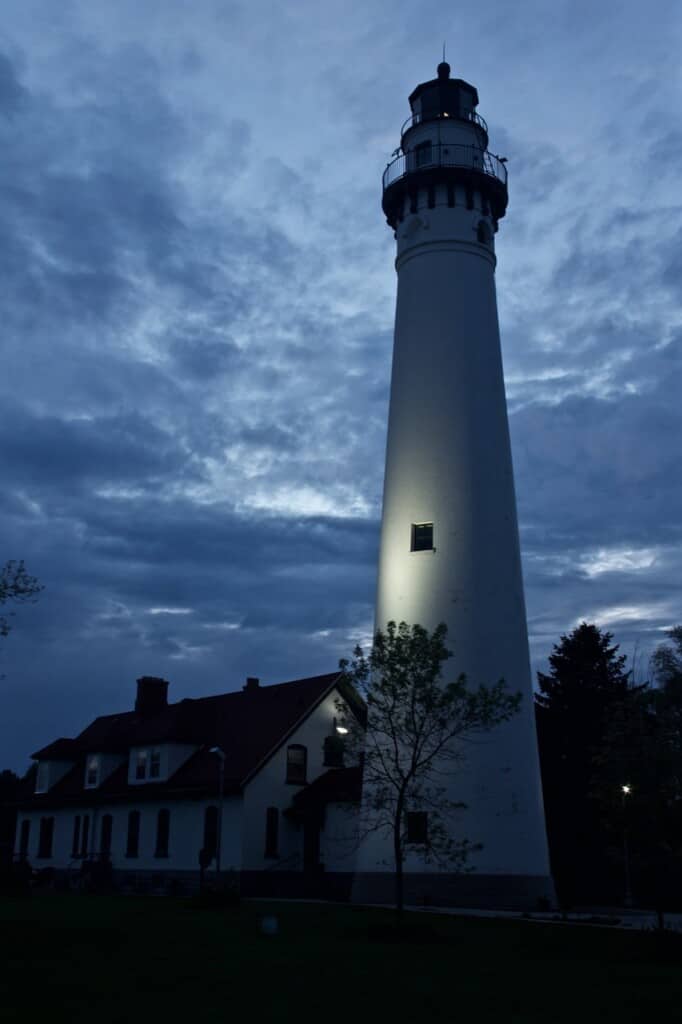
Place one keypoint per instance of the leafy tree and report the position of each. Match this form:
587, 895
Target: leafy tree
18, 586
415, 732
586, 684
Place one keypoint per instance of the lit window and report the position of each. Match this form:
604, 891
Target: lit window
141, 765
155, 764
92, 771
297, 759
422, 537
417, 827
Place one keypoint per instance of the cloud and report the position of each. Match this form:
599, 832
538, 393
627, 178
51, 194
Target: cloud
198, 298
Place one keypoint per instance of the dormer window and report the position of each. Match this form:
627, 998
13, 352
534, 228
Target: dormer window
92, 772
141, 764
43, 777
146, 764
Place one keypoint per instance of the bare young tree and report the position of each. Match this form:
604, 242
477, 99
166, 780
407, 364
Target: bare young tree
416, 732
18, 586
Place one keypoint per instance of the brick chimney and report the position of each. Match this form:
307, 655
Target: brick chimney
252, 683
152, 695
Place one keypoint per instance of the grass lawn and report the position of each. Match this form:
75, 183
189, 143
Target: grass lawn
110, 960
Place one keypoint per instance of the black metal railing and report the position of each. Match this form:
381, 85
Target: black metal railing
427, 157
470, 115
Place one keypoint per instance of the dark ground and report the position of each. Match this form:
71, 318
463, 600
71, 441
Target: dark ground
84, 958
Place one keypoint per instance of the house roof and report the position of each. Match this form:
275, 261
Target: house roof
248, 725
336, 786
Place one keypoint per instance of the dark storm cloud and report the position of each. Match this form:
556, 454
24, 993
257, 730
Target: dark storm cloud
197, 309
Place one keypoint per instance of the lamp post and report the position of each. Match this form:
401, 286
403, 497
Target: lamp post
221, 785
625, 791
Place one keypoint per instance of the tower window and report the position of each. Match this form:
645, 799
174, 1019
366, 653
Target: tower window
422, 537
423, 154
483, 233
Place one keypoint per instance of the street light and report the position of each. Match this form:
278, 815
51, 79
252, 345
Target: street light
221, 785
625, 791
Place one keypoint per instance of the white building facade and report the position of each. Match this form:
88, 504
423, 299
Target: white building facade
145, 792
449, 543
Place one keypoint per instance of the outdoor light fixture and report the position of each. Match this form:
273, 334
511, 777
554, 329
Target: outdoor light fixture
625, 789
341, 729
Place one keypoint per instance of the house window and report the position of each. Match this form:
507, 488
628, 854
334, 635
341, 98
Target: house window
333, 751
155, 764
422, 537
417, 827
141, 764
271, 831
42, 777
75, 844
423, 154
105, 835
162, 833
85, 836
45, 838
211, 831
297, 759
92, 771
24, 838
133, 841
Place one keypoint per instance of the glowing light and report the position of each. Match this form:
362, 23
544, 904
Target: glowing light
341, 729
626, 789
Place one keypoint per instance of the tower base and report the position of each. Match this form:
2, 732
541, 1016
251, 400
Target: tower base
434, 889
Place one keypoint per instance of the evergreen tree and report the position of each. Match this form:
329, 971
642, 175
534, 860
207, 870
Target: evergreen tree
578, 697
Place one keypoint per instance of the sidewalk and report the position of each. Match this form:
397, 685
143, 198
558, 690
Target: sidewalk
598, 917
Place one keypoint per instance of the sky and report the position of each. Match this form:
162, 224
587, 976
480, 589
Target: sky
197, 308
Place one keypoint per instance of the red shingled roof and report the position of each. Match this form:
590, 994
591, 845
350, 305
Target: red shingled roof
248, 725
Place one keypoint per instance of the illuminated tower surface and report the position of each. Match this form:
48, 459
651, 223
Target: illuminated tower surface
449, 540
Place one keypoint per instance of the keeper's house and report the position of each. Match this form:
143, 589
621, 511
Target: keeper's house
254, 779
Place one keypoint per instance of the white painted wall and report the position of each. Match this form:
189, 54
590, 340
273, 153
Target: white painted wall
270, 789
186, 835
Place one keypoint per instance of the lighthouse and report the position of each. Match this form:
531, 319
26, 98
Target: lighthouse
449, 538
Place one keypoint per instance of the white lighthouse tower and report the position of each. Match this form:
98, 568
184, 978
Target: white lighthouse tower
449, 539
